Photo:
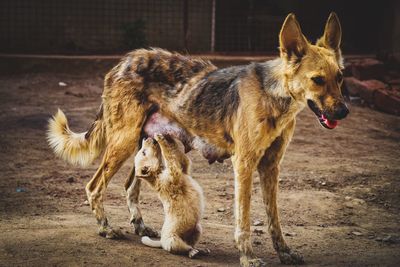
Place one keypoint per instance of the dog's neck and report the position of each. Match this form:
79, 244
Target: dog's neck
276, 84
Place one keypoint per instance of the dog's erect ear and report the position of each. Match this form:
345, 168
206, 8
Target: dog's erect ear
332, 34
332, 37
291, 40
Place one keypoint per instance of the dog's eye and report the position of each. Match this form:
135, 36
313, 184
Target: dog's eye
339, 77
318, 80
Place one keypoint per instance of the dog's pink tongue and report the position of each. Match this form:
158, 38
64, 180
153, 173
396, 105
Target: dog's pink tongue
329, 123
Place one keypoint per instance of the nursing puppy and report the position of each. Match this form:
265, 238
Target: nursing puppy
164, 165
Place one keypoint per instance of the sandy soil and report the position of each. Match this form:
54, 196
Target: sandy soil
339, 190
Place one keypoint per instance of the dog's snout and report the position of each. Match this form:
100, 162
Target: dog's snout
341, 111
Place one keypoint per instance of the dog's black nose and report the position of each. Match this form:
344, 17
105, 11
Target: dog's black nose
341, 111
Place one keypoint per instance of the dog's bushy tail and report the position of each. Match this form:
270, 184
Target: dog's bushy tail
76, 148
151, 243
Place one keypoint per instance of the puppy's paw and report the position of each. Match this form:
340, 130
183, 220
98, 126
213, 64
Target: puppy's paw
193, 253
159, 137
291, 258
205, 251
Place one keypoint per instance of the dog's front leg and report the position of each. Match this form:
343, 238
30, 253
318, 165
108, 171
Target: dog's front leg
268, 169
244, 168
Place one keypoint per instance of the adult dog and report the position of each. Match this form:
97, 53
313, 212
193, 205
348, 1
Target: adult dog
244, 112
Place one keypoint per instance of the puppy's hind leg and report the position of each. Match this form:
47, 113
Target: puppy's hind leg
176, 245
194, 238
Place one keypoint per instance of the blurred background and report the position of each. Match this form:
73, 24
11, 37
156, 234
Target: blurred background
232, 26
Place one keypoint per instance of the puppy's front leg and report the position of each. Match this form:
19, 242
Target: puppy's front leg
171, 155
244, 169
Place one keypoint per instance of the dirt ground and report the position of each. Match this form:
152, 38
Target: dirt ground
339, 190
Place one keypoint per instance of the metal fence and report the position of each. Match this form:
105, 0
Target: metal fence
109, 26
100, 25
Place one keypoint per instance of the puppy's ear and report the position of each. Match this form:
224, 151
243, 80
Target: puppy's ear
332, 36
292, 42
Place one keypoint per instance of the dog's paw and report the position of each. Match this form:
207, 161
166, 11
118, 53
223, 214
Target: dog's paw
257, 262
291, 258
143, 230
111, 233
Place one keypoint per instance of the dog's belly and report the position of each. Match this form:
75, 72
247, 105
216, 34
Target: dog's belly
157, 123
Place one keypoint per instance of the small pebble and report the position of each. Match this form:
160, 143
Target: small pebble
357, 233
290, 234
258, 231
85, 203
257, 242
221, 209
62, 84
258, 223
388, 239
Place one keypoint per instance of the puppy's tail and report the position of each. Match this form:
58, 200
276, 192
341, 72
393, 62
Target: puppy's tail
76, 148
151, 243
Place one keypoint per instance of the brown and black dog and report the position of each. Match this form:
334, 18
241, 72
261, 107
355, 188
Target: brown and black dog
244, 112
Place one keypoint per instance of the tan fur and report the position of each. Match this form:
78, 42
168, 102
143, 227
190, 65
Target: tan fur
74, 147
165, 167
252, 119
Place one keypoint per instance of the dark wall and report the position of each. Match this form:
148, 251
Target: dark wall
253, 25
99, 26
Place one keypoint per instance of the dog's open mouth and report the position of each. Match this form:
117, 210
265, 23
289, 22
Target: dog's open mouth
325, 122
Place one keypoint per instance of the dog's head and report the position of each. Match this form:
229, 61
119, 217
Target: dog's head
148, 159
314, 72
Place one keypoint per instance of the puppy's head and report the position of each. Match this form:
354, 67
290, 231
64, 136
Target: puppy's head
148, 159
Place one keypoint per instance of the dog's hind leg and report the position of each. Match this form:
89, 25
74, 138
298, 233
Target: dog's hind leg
124, 120
268, 169
132, 187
